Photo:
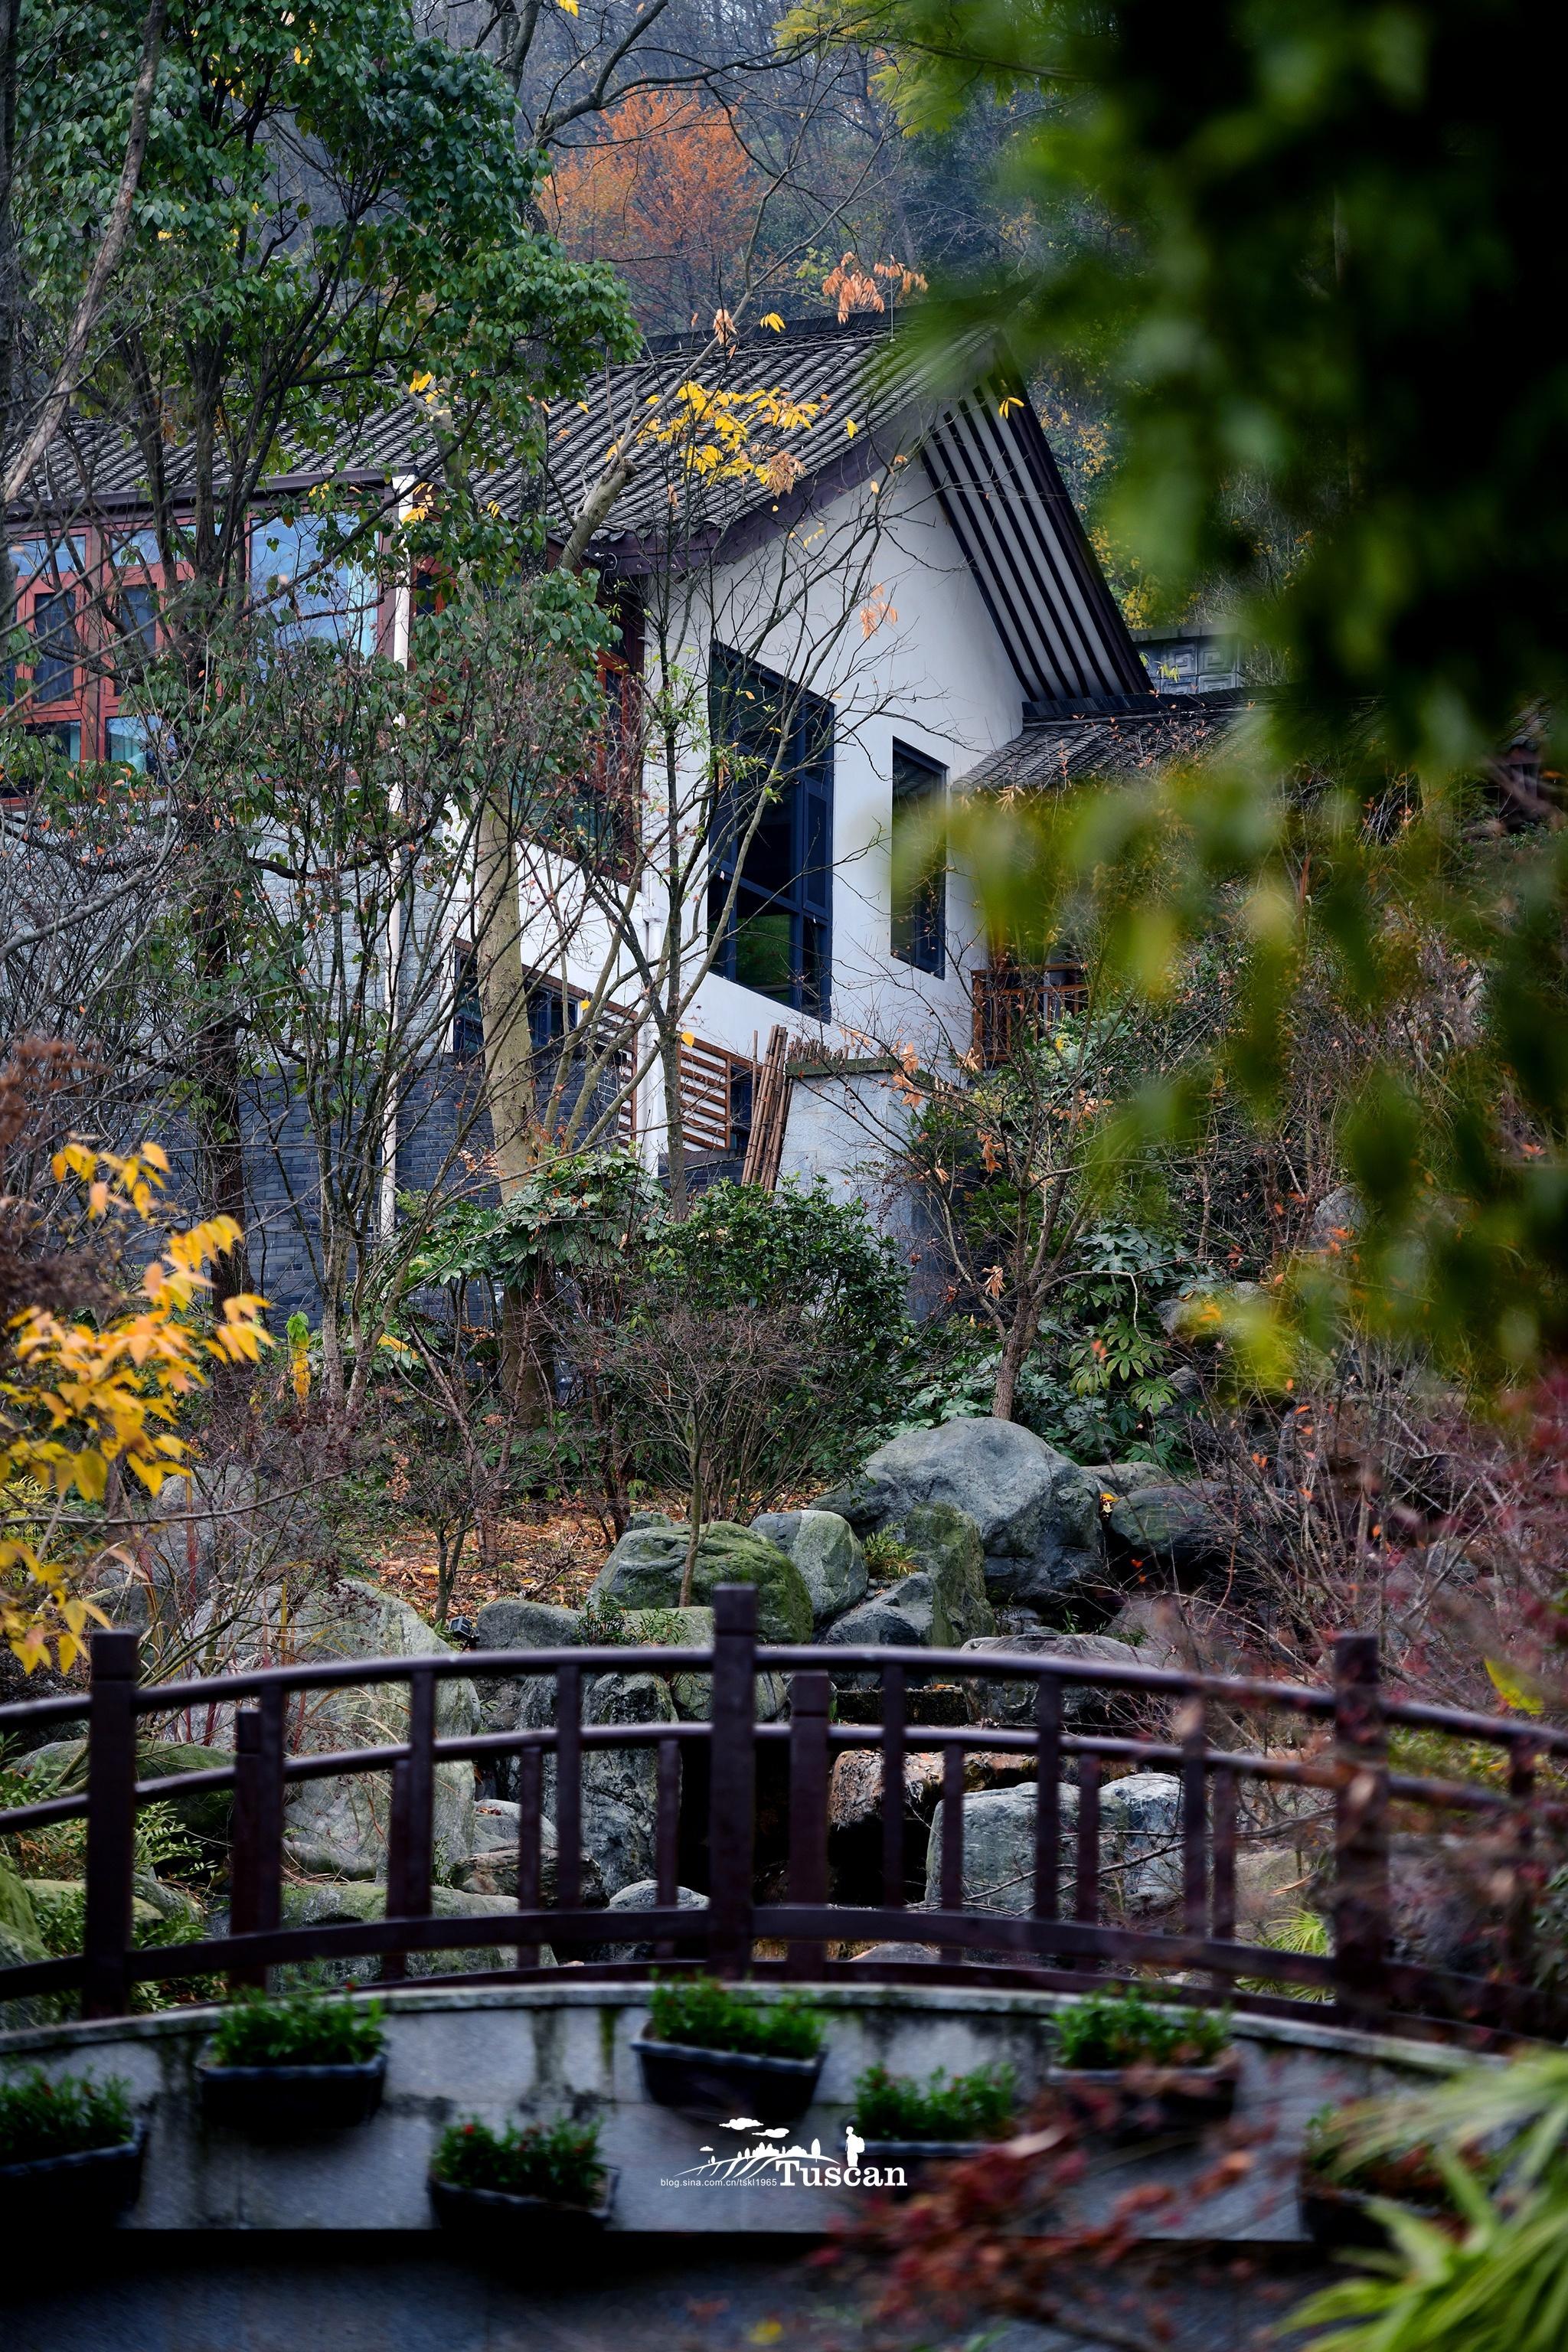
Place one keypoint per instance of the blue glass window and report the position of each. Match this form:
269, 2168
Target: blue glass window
311, 597
54, 645
773, 833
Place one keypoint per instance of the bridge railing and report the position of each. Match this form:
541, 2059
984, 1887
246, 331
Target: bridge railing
1053, 1931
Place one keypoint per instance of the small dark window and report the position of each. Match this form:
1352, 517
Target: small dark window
919, 889
467, 1013
55, 646
778, 740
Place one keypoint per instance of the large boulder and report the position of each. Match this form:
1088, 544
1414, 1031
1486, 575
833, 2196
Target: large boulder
491, 1868
945, 1544
1171, 1525
1141, 1844
61, 1769
1140, 1848
999, 1851
641, 1896
620, 1785
692, 1629
338, 1827
513, 1624
901, 1617
827, 1552
339, 1904
1038, 1512
646, 1569
996, 1701
855, 1838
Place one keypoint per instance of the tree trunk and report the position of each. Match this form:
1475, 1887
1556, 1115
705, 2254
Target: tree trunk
219, 1076
1015, 1349
509, 1047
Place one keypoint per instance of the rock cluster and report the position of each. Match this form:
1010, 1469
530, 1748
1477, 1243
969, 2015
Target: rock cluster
987, 1539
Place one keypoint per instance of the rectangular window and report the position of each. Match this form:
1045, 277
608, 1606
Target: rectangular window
468, 1015
309, 594
920, 872
136, 622
54, 644
44, 559
145, 744
773, 833
62, 738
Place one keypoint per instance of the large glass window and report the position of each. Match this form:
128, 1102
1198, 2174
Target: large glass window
773, 833
54, 645
309, 596
919, 876
138, 619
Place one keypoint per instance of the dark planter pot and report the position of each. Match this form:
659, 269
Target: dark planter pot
537, 2227
719, 2083
291, 2102
1131, 2103
93, 2187
1342, 2219
916, 2158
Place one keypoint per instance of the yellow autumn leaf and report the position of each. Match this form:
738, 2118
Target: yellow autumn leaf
771, 318
850, 427
1511, 1689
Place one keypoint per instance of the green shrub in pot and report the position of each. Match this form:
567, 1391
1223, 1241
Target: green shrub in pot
296, 2030
704, 2014
42, 2117
1105, 2032
558, 2161
957, 2107
714, 2052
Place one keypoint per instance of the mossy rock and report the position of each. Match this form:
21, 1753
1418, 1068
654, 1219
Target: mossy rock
943, 1543
205, 1813
645, 1567
332, 1903
19, 1938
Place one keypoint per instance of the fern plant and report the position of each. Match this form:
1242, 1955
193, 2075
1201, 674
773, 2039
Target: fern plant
1500, 2281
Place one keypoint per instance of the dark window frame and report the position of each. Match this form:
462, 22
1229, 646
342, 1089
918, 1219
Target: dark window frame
741, 690
917, 929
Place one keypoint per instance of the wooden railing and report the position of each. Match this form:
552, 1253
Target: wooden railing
1360, 1977
1012, 1003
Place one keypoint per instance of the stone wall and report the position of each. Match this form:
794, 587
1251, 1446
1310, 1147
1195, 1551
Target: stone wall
506, 2051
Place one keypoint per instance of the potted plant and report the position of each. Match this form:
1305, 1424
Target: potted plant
717, 2052
295, 2065
69, 2145
1130, 2066
1341, 2187
544, 2183
906, 2122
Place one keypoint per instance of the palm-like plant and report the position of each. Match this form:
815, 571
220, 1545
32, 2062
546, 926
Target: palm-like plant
1500, 2283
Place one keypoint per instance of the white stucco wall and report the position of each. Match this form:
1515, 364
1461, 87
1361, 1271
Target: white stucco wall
871, 604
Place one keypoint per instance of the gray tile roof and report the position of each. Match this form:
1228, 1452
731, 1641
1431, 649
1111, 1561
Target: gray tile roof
868, 406
1058, 749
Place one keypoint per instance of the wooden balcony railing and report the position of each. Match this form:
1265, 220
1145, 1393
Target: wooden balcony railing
1045, 1941
1016, 1001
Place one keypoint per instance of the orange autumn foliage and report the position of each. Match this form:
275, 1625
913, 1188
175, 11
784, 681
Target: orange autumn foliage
668, 193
